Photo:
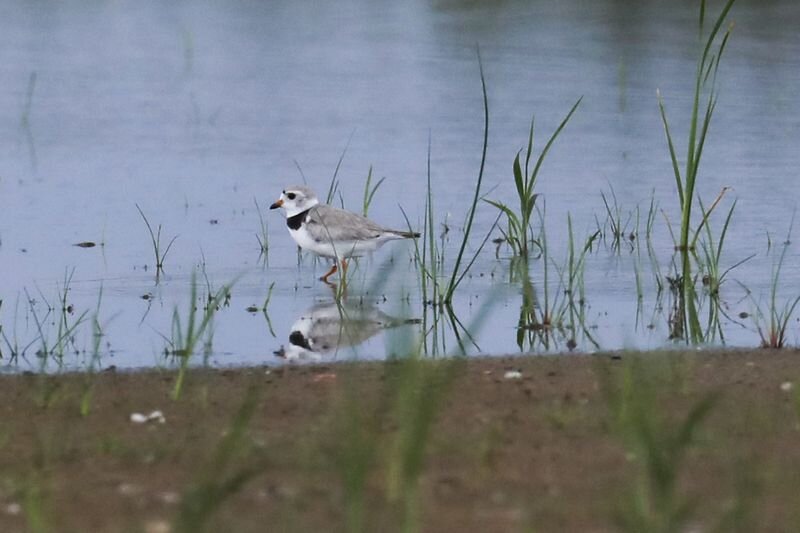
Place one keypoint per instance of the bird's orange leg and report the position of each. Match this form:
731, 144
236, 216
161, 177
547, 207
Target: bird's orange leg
330, 273
343, 277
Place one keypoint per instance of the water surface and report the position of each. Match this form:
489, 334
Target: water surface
194, 109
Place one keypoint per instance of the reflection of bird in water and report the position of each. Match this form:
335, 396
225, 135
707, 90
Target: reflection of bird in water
327, 327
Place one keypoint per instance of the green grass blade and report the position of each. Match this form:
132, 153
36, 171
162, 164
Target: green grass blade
478, 251
518, 180
530, 147
470, 218
553, 138
675, 168
720, 19
334, 184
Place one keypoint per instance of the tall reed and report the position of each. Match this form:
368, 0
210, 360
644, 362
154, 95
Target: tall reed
704, 91
437, 284
458, 274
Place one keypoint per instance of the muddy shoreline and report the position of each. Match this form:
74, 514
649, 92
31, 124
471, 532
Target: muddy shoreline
514, 444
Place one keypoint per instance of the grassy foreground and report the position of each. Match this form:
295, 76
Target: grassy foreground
699, 440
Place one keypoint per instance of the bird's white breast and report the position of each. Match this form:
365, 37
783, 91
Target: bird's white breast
325, 247
305, 241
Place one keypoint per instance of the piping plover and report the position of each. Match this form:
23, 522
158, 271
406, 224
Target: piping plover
331, 232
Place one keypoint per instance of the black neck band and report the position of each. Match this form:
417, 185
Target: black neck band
295, 221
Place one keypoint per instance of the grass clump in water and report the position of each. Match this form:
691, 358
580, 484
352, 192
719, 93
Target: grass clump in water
65, 329
688, 323
773, 323
185, 337
519, 232
155, 239
619, 231
561, 309
263, 235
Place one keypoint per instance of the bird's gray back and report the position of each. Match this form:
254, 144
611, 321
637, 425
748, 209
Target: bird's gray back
325, 222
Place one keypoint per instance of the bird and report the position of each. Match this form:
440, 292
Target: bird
332, 232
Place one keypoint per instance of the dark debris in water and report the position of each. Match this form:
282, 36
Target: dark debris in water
85, 244
572, 344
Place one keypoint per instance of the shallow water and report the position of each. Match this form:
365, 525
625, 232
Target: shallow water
193, 110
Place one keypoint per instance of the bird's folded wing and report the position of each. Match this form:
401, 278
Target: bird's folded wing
326, 223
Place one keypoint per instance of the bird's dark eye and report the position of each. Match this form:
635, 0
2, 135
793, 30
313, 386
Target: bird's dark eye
291, 196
